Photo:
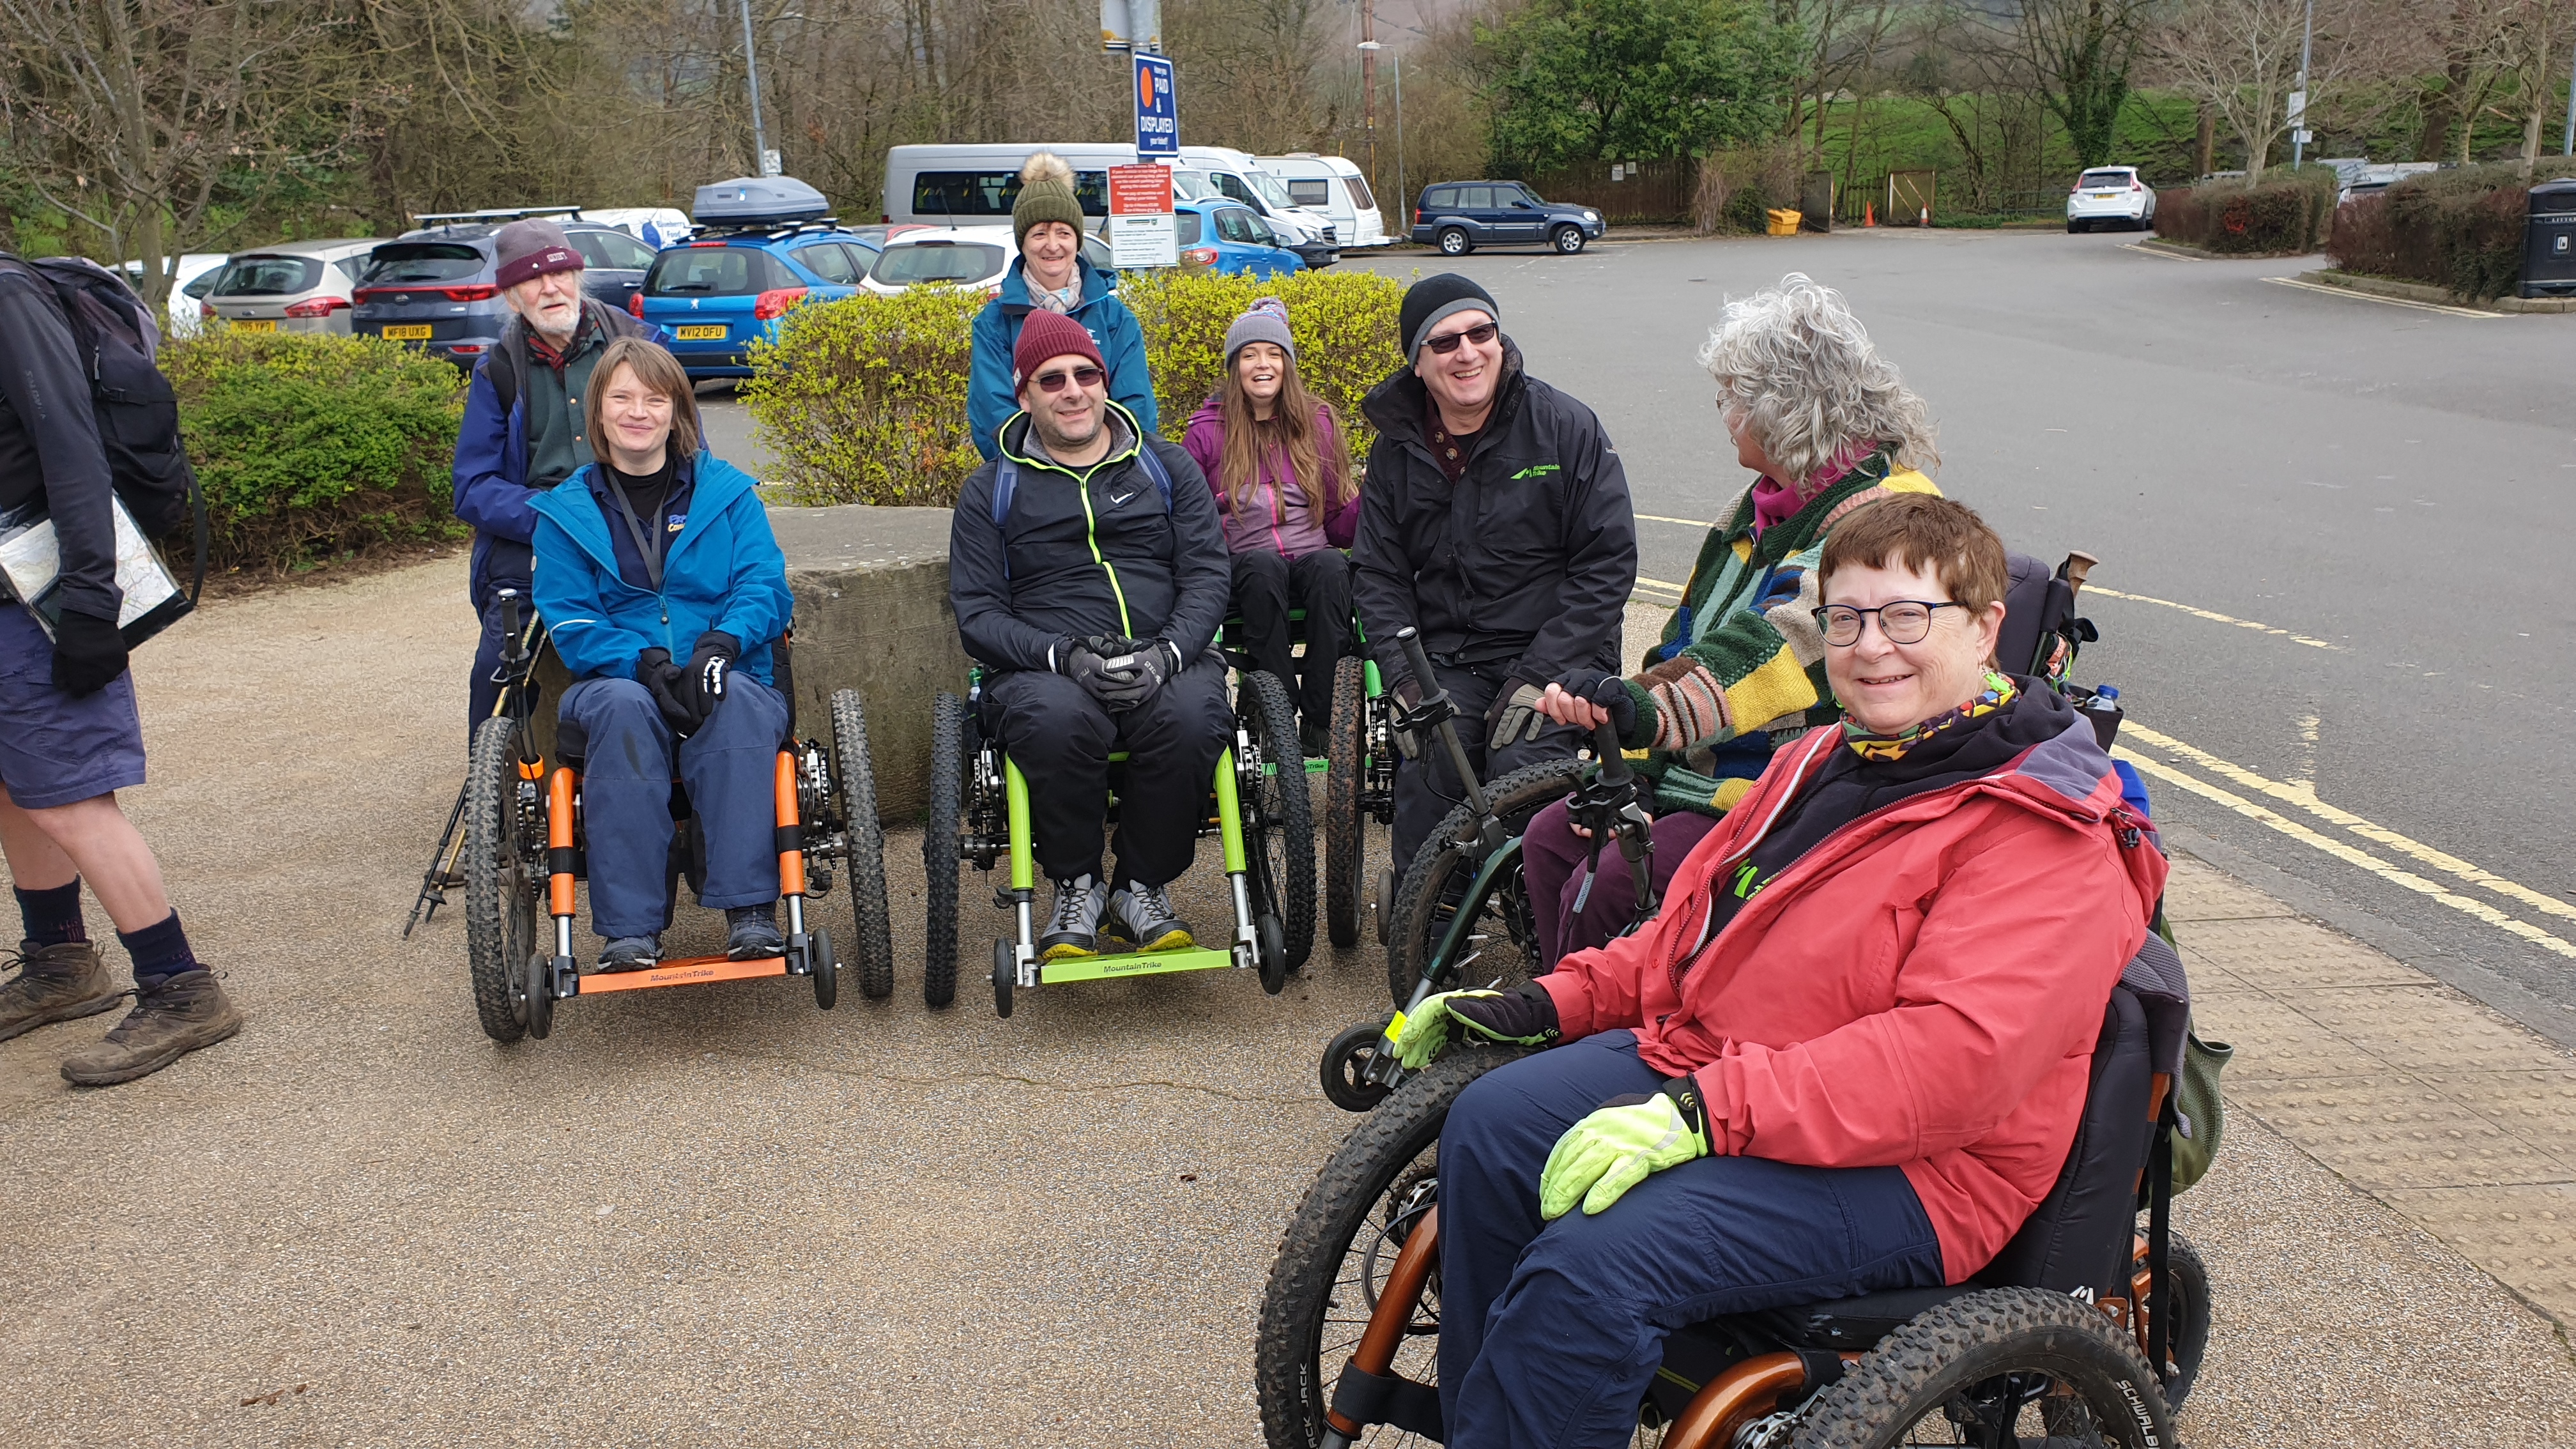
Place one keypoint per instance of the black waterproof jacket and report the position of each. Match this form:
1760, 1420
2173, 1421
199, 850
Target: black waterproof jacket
1094, 551
1526, 563
49, 447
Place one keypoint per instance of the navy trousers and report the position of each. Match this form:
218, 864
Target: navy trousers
1549, 1332
1427, 789
628, 763
483, 687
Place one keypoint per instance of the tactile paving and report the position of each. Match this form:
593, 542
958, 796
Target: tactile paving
2390, 1130
2525, 1235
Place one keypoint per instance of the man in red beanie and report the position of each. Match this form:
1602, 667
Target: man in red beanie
522, 432
1089, 573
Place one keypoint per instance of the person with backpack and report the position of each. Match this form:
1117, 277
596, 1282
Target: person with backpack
79, 392
1088, 575
1275, 458
523, 431
1050, 275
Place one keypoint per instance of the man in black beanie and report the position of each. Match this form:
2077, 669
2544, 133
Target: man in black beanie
1496, 521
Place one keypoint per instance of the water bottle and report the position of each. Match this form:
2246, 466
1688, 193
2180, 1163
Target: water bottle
2103, 708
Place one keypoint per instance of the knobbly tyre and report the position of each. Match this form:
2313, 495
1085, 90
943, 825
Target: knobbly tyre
1258, 806
523, 860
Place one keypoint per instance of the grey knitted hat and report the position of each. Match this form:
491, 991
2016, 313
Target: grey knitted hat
1264, 321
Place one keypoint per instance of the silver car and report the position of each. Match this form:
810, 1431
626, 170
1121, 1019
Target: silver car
293, 286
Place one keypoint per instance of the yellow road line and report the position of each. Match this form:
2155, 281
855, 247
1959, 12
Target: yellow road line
2351, 855
2214, 617
2304, 795
1684, 522
2383, 301
1659, 584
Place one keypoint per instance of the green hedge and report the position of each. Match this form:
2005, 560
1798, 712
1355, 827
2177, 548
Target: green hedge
2463, 229
2285, 214
864, 400
309, 446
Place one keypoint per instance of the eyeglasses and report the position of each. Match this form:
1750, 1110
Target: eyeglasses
1906, 621
1480, 334
1053, 382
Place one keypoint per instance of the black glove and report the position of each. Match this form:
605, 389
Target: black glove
1078, 661
1408, 697
1135, 669
1514, 714
1523, 1016
1607, 690
88, 653
669, 686
708, 669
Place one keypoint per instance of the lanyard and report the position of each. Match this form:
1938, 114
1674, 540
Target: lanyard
647, 542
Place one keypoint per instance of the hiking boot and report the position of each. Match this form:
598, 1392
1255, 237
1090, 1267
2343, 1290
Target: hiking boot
632, 953
170, 1019
1149, 920
751, 933
1074, 929
55, 983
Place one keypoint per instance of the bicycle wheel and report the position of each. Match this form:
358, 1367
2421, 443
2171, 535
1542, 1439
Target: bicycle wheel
1434, 884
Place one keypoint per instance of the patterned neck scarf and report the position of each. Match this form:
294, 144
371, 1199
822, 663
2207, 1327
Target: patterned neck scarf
1882, 748
1061, 300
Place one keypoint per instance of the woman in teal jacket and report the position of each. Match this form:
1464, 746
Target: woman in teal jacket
1050, 273
657, 552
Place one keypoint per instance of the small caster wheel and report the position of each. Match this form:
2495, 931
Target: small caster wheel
1005, 976
541, 995
1347, 1061
826, 967
1274, 954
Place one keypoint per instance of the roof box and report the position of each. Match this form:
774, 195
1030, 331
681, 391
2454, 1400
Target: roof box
757, 201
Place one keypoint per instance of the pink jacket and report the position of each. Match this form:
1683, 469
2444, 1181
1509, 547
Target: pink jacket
1279, 520
1922, 989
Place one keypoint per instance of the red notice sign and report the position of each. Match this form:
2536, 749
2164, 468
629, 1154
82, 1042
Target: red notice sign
1143, 231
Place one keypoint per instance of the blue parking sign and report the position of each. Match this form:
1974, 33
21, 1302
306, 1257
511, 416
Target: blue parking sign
1158, 122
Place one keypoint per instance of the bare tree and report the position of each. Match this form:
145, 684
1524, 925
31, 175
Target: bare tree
149, 120
2078, 55
2241, 58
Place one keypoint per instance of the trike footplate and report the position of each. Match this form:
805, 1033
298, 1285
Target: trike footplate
1131, 963
688, 971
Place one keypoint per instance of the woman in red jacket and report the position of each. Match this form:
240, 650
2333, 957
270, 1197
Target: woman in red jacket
1274, 456
1849, 1055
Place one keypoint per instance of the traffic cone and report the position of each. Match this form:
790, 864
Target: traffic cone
1869, 213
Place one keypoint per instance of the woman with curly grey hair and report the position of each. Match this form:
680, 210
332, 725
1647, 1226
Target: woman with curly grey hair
1827, 427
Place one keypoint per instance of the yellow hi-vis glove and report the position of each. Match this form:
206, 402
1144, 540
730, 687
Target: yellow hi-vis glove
1522, 1016
1611, 1151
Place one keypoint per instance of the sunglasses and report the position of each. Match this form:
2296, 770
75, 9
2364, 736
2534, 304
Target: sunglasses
1480, 334
1053, 382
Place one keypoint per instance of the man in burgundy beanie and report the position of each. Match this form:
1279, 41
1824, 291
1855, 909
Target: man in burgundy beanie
1089, 575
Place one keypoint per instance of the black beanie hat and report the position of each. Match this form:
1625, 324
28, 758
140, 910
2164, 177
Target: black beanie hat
1428, 301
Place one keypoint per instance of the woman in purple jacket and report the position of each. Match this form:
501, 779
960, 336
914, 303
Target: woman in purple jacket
1275, 457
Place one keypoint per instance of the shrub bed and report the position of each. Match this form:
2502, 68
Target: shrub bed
309, 446
2286, 214
2462, 229
864, 400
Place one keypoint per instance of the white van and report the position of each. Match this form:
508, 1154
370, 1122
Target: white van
1309, 231
1334, 184
974, 185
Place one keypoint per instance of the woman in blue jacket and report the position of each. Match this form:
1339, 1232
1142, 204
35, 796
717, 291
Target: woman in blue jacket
1050, 273
659, 552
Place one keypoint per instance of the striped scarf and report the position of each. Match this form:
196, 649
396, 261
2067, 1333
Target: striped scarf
1883, 748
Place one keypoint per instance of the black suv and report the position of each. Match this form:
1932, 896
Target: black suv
1460, 216
434, 287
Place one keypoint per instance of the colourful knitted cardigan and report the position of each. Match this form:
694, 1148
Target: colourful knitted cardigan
1741, 660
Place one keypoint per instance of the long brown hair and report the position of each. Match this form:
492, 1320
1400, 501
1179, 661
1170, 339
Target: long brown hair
1291, 430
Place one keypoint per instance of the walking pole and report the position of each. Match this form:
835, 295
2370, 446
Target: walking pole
451, 844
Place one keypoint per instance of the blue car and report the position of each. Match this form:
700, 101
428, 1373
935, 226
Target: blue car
715, 294
1229, 237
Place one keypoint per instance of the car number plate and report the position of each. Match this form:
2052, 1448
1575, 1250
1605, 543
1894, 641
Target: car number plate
700, 333
254, 326
2106, 196
410, 332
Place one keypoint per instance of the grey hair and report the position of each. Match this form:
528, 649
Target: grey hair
1797, 368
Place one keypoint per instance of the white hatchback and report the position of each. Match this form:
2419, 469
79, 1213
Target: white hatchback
975, 257
2112, 194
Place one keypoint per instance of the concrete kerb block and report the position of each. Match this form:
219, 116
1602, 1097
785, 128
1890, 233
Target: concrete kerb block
872, 614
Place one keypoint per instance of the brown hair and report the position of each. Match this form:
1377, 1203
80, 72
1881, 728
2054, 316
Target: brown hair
1920, 531
658, 371
1291, 429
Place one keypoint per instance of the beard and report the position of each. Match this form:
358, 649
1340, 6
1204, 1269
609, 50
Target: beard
1044, 420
